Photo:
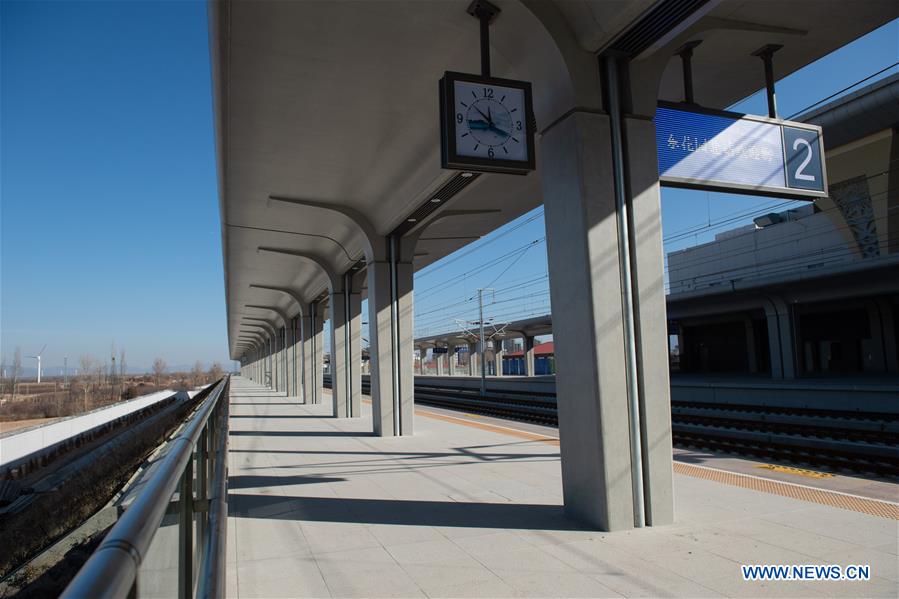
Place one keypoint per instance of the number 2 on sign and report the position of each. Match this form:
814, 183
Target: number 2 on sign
808, 158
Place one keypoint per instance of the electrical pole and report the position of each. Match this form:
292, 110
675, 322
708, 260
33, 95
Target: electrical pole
483, 343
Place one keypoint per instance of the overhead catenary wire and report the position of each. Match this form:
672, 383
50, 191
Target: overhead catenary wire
842, 91
478, 246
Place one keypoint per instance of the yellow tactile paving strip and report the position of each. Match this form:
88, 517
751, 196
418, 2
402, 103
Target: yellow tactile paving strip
843, 501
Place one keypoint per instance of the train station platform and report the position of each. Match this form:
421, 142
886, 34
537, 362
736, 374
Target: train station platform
321, 508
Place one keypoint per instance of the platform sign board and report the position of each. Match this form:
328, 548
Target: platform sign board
439, 350
731, 152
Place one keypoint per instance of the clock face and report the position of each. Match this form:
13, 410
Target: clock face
490, 121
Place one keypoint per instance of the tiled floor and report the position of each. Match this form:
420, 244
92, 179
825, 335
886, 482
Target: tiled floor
321, 508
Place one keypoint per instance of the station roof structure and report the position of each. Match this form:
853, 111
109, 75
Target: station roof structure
334, 104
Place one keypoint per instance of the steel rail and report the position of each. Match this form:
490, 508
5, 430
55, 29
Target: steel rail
112, 570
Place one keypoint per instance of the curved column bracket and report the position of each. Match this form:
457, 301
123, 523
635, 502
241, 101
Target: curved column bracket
295, 296
281, 313
268, 329
359, 220
335, 281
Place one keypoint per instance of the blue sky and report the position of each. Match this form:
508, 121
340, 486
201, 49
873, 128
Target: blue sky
109, 222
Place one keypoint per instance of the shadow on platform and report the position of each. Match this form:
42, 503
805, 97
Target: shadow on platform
402, 512
249, 481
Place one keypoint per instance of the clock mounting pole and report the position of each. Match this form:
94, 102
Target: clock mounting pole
484, 12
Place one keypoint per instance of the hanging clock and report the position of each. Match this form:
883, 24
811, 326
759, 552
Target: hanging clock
486, 124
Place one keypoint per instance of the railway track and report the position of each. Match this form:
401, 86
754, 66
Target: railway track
865, 442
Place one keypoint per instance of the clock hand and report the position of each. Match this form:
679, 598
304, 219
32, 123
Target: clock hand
482, 114
489, 118
492, 127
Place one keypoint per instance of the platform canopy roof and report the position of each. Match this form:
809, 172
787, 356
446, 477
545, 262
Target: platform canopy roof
336, 103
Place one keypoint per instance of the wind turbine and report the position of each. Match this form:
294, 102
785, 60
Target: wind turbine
38, 357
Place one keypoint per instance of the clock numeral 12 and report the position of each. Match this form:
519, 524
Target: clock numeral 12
488, 92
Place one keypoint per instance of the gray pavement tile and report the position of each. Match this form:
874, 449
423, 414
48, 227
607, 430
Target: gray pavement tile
436, 577
434, 551
281, 577
554, 584
399, 534
493, 587
491, 544
330, 537
265, 539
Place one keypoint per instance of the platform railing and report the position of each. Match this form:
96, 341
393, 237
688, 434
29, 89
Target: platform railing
186, 495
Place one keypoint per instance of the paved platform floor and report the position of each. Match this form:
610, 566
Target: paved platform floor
320, 508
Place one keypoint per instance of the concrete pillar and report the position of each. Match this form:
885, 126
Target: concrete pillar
288, 348
285, 355
296, 354
339, 388
354, 324
282, 354
781, 340
472, 355
391, 336
451, 359
307, 356
528, 353
346, 320
498, 353
438, 360
312, 354
585, 266
318, 355
273, 361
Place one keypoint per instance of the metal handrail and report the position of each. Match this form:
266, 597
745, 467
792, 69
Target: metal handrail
212, 578
112, 569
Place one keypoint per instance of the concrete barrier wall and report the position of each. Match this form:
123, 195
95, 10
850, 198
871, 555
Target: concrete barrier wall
17, 445
522, 384
820, 396
853, 396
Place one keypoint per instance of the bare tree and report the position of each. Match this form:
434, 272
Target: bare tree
197, 375
113, 371
215, 372
86, 364
16, 370
159, 367
123, 370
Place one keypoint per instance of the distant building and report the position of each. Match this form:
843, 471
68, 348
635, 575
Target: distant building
544, 360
